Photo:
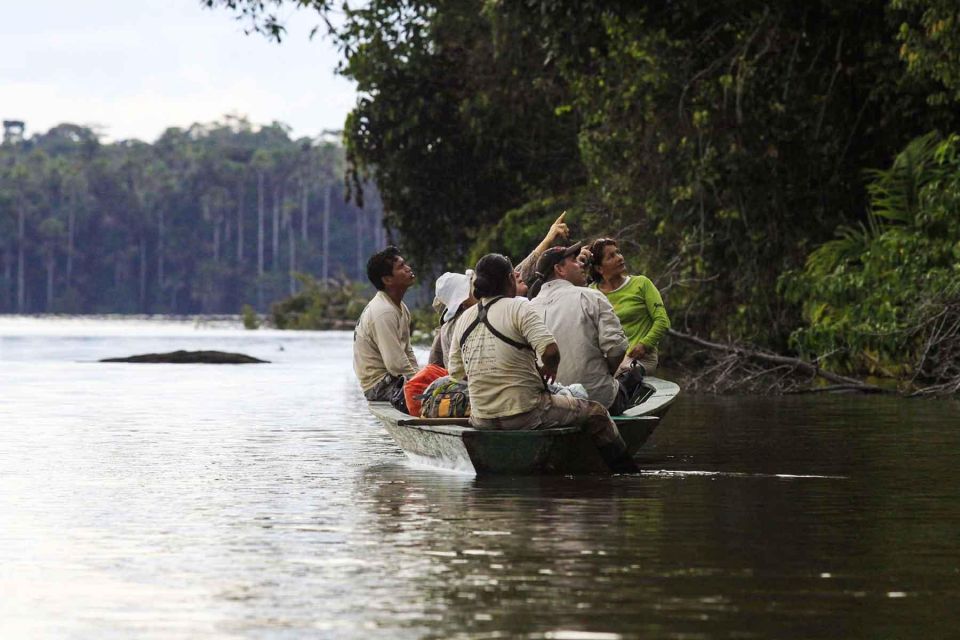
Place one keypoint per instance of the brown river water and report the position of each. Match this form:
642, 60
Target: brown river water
264, 501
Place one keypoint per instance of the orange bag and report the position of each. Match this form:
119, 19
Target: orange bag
416, 385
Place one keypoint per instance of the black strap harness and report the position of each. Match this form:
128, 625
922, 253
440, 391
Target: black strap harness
482, 317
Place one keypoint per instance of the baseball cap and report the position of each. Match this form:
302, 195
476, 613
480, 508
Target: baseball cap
554, 256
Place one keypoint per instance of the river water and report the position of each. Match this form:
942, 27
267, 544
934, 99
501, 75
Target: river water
263, 501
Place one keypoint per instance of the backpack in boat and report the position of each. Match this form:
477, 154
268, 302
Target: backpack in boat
445, 398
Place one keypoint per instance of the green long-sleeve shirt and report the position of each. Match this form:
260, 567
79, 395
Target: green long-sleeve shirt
640, 308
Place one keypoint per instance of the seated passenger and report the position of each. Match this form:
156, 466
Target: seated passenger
454, 296
495, 347
583, 321
382, 353
635, 300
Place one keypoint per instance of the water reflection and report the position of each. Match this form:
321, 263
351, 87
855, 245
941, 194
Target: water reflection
165, 501
676, 552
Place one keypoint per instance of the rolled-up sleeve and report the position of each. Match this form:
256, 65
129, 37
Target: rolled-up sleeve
528, 266
533, 329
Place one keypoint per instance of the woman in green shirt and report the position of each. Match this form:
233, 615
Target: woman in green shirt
635, 300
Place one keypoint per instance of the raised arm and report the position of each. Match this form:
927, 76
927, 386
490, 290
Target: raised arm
528, 265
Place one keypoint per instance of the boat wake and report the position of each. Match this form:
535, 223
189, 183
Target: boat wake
737, 474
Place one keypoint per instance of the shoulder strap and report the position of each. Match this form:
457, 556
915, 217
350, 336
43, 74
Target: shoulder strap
482, 317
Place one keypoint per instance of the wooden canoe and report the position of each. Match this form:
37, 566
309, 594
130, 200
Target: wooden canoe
656, 401
450, 443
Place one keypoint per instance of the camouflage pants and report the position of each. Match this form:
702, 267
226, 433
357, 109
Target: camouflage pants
383, 390
561, 411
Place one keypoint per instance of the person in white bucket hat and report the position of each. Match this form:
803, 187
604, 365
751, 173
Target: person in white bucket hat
453, 295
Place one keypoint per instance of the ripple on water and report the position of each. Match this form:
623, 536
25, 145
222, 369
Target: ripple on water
195, 501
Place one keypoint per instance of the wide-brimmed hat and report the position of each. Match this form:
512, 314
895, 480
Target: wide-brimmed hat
554, 256
452, 289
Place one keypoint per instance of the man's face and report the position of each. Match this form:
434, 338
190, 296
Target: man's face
521, 286
402, 276
572, 271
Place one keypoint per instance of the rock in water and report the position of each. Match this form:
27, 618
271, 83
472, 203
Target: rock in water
191, 357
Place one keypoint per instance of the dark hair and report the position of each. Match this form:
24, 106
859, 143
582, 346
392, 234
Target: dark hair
596, 250
380, 265
491, 280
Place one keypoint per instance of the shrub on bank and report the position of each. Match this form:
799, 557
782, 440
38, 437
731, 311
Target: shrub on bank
884, 298
335, 304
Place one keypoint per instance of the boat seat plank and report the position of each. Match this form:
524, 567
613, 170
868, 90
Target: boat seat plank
426, 422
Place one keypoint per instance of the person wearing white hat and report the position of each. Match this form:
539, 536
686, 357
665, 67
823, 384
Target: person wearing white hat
453, 295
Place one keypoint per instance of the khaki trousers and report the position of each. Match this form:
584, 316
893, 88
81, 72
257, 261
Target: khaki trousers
560, 411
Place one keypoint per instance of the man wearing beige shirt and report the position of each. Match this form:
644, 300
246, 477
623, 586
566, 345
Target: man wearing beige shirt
382, 353
495, 347
584, 322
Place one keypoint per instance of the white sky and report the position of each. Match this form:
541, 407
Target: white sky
135, 67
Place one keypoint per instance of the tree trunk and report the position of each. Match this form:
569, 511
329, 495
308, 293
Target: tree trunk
143, 272
216, 241
7, 280
325, 272
260, 212
71, 231
359, 230
381, 230
275, 244
21, 241
161, 237
260, 216
51, 264
304, 210
292, 246
240, 225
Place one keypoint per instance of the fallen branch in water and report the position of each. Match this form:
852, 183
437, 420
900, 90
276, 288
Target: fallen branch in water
739, 365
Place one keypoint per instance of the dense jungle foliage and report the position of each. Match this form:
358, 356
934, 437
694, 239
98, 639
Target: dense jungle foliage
743, 152
203, 220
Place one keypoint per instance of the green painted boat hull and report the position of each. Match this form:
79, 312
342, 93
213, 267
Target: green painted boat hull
449, 445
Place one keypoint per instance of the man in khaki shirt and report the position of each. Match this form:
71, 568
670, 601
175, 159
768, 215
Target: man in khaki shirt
587, 328
382, 352
495, 347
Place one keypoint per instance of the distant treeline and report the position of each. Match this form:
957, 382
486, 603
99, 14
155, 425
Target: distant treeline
204, 220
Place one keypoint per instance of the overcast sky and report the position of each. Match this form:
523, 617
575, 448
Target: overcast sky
135, 67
